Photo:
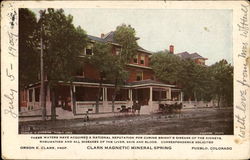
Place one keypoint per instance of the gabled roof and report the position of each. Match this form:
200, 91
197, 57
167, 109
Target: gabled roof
95, 38
109, 37
144, 50
196, 56
186, 55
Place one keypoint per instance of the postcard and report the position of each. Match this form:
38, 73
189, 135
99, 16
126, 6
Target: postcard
125, 80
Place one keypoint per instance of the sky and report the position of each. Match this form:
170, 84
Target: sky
207, 32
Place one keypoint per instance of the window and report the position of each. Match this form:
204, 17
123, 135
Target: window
139, 76
37, 94
135, 59
30, 95
87, 93
121, 95
117, 51
89, 49
80, 72
142, 59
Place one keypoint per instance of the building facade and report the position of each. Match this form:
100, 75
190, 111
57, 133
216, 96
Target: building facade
76, 99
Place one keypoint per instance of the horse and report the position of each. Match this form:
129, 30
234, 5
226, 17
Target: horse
136, 107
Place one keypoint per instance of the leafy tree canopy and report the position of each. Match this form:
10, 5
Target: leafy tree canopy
102, 58
223, 81
202, 82
166, 66
125, 36
63, 44
28, 52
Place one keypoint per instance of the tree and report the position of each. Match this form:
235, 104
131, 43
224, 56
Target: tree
125, 36
200, 82
63, 45
223, 82
192, 78
166, 66
28, 52
117, 74
103, 61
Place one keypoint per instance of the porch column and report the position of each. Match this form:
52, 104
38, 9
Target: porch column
169, 95
150, 102
130, 94
104, 97
181, 96
105, 93
33, 97
150, 96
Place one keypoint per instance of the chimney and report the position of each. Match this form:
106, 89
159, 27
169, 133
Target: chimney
102, 35
171, 49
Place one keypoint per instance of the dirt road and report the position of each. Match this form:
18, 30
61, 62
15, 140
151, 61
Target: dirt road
207, 121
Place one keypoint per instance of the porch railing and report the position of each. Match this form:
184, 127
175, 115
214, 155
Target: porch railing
104, 106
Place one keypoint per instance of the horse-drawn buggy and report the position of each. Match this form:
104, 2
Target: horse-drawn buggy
170, 108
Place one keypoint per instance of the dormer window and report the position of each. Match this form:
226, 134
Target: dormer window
135, 59
142, 61
89, 50
117, 51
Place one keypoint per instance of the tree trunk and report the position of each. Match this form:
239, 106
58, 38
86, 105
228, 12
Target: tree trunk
53, 103
195, 97
98, 96
219, 101
114, 96
160, 96
113, 102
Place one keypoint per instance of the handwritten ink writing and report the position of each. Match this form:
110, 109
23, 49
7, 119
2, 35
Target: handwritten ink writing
12, 41
241, 121
243, 82
243, 25
243, 52
242, 107
11, 97
12, 17
240, 114
9, 74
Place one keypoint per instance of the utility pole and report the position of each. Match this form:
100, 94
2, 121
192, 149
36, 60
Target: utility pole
42, 96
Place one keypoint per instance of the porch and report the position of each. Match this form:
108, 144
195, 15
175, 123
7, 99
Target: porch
80, 98
148, 96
